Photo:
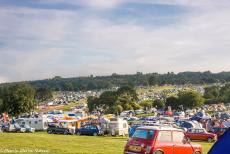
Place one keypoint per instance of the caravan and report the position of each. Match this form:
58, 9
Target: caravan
118, 127
39, 123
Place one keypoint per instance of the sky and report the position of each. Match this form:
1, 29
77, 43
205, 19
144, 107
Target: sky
41, 39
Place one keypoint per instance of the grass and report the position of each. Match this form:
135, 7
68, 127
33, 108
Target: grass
42, 142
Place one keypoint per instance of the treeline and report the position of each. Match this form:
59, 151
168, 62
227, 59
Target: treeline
125, 98
115, 80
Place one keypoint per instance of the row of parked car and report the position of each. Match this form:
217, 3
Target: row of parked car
17, 128
85, 130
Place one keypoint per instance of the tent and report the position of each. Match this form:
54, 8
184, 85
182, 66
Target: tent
222, 146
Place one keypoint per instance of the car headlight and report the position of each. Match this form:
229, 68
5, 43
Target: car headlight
142, 145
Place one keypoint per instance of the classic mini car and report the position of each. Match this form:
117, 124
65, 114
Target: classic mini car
89, 130
54, 129
200, 134
160, 140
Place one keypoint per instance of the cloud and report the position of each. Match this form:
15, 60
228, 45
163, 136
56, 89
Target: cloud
102, 4
41, 43
3, 79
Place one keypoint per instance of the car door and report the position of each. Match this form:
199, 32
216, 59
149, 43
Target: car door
83, 130
191, 134
196, 134
164, 142
58, 129
90, 130
179, 146
202, 134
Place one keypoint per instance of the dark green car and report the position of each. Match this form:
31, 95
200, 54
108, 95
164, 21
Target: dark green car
53, 129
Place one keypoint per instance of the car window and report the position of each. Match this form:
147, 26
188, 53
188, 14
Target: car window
197, 131
191, 131
144, 134
201, 131
165, 136
178, 136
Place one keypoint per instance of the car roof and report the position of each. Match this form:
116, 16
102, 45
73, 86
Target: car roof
159, 128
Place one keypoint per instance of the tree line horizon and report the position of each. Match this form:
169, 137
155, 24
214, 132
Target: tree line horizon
59, 83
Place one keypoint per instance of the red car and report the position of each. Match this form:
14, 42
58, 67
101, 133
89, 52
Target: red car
218, 131
200, 134
160, 140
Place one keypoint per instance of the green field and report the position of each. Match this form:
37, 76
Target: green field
46, 143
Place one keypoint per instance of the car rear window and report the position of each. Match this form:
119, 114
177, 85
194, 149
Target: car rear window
143, 134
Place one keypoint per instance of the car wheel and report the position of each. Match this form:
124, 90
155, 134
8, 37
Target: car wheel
50, 132
209, 140
94, 134
65, 133
158, 152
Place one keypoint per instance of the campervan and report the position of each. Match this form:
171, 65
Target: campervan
118, 127
39, 123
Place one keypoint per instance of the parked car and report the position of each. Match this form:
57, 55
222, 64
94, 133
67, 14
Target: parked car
54, 129
187, 124
13, 128
218, 131
89, 130
28, 128
160, 140
200, 134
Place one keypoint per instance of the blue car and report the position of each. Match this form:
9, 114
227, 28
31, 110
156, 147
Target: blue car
89, 130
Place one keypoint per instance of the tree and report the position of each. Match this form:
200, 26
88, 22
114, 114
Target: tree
152, 80
212, 92
129, 91
172, 101
225, 93
118, 109
190, 99
1, 106
159, 103
135, 106
18, 99
92, 102
43, 94
146, 104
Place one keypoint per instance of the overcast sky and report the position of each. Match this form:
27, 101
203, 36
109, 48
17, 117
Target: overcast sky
44, 38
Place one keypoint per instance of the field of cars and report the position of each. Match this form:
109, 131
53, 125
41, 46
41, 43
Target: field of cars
140, 132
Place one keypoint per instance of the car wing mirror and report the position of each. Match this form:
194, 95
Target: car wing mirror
186, 140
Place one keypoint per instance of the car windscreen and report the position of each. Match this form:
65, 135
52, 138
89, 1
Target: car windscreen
143, 134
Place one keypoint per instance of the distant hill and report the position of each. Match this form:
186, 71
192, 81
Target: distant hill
138, 79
